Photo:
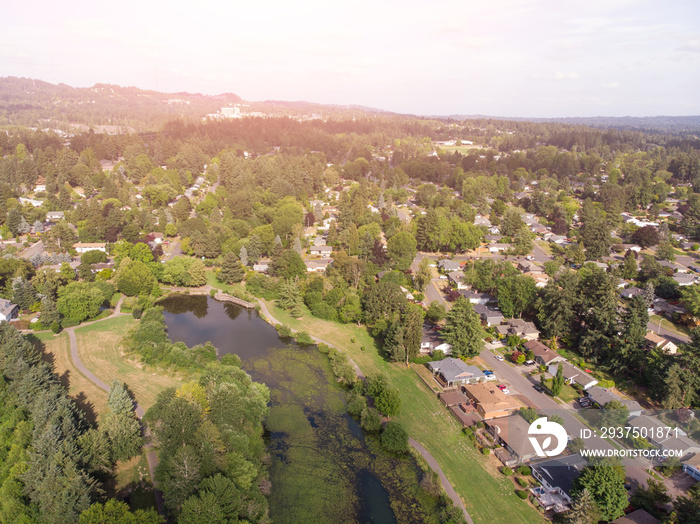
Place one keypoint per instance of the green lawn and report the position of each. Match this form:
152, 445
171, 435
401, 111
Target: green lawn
473, 475
654, 319
98, 346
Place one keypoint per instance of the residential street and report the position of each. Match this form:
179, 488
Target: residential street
636, 472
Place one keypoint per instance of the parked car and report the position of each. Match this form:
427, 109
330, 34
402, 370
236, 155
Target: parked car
501, 387
538, 388
585, 402
529, 362
506, 391
529, 257
499, 358
488, 372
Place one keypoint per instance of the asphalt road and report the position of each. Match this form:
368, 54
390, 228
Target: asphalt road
636, 472
673, 336
32, 250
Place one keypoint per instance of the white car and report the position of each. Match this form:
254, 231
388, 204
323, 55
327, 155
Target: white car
499, 358
506, 391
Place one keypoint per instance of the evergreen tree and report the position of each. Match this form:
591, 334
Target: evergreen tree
463, 330
583, 510
289, 297
413, 330
231, 269
243, 255
394, 342
558, 381
297, 246
254, 249
629, 266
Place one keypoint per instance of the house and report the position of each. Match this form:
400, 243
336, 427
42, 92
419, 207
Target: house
497, 248
84, 247
601, 396
8, 310
543, 355
444, 347
665, 437
519, 327
626, 247
684, 279
452, 372
453, 398
476, 298
323, 251
662, 306
631, 292
489, 316
573, 375
557, 477
512, 433
481, 221
490, 401
638, 516
429, 340
493, 238
555, 239
262, 266
55, 216
448, 265
155, 237
319, 265
657, 341
456, 279
31, 201
529, 267
541, 279
691, 466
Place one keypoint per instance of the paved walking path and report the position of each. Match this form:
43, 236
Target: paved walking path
140, 412
443, 479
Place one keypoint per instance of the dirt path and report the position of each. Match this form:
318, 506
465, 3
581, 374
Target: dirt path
140, 412
443, 479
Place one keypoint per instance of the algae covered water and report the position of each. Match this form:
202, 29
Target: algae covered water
322, 467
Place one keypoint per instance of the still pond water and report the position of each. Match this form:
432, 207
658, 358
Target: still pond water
322, 467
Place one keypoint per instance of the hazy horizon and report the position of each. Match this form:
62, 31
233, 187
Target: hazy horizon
510, 59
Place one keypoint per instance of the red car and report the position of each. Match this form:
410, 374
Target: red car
501, 387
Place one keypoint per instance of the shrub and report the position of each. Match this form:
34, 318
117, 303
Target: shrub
137, 312
352, 340
524, 470
522, 494
212, 293
370, 420
507, 471
606, 383
485, 451
231, 359
522, 482
56, 327
303, 338
283, 331
394, 438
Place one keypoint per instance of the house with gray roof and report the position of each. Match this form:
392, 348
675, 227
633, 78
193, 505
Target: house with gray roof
8, 310
489, 316
601, 396
665, 437
520, 327
455, 372
573, 375
448, 265
631, 292
557, 476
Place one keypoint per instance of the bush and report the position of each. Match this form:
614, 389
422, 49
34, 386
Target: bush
524, 470
606, 383
137, 312
56, 327
283, 331
522, 494
370, 420
507, 471
485, 451
394, 438
522, 482
303, 338
212, 293
231, 359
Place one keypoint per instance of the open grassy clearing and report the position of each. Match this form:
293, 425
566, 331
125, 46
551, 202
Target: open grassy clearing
428, 422
132, 482
88, 396
98, 347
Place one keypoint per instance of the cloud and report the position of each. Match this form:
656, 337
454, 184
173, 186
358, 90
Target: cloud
611, 85
692, 46
566, 76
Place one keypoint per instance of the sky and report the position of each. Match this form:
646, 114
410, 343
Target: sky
509, 58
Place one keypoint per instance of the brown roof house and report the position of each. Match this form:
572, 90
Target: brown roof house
652, 340
543, 355
512, 433
518, 326
490, 401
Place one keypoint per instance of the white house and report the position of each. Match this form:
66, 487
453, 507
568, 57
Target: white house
84, 247
8, 310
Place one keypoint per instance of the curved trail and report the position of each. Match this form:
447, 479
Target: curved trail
414, 444
138, 409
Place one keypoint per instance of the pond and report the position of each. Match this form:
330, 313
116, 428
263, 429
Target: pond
323, 468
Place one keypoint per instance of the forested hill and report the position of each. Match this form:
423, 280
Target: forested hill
24, 101
651, 124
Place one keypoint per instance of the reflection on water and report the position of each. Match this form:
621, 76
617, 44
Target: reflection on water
322, 470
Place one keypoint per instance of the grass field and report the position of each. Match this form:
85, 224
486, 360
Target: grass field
473, 475
88, 396
98, 346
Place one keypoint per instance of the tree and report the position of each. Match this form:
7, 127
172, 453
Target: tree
614, 415
463, 330
388, 401
629, 266
665, 251
289, 297
135, 279
79, 301
516, 294
646, 236
117, 512
393, 343
243, 256
595, 231
691, 299
401, 249
296, 246
558, 381
436, 312
394, 437
651, 498
583, 510
197, 274
423, 276
288, 265
231, 269
605, 481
